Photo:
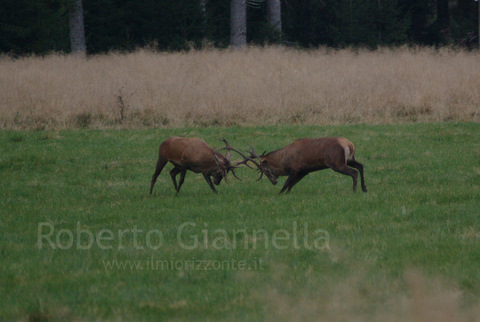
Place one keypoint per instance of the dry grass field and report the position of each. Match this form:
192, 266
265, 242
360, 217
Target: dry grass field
257, 86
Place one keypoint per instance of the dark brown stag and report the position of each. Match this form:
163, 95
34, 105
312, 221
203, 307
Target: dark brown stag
303, 156
196, 155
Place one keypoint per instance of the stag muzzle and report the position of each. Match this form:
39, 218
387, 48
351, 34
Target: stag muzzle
274, 181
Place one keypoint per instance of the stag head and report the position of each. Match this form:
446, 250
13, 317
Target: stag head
263, 166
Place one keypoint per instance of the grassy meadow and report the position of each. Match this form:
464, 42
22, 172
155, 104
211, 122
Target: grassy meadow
406, 250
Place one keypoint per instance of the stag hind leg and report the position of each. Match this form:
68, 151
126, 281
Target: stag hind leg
182, 178
349, 172
158, 169
357, 165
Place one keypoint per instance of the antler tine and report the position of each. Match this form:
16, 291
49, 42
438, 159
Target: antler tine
244, 161
253, 153
233, 172
227, 145
261, 175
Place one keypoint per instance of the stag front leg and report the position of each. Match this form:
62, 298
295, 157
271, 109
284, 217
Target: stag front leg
296, 180
182, 178
173, 173
210, 183
291, 178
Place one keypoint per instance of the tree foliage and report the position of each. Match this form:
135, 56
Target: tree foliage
41, 26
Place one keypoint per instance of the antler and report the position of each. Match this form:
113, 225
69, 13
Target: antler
254, 154
233, 172
229, 148
245, 158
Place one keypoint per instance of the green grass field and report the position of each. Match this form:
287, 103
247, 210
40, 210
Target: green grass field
407, 249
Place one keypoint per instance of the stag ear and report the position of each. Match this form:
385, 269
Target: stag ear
217, 160
228, 156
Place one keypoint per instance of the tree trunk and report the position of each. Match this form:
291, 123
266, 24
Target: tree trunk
203, 12
203, 7
77, 30
238, 23
274, 16
443, 16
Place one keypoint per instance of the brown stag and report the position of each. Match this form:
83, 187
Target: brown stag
303, 156
196, 155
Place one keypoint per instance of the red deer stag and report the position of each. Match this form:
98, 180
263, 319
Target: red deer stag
196, 155
303, 156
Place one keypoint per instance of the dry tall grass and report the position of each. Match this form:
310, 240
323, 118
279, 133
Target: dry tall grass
250, 87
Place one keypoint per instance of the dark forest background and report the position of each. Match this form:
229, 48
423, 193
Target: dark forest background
42, 26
